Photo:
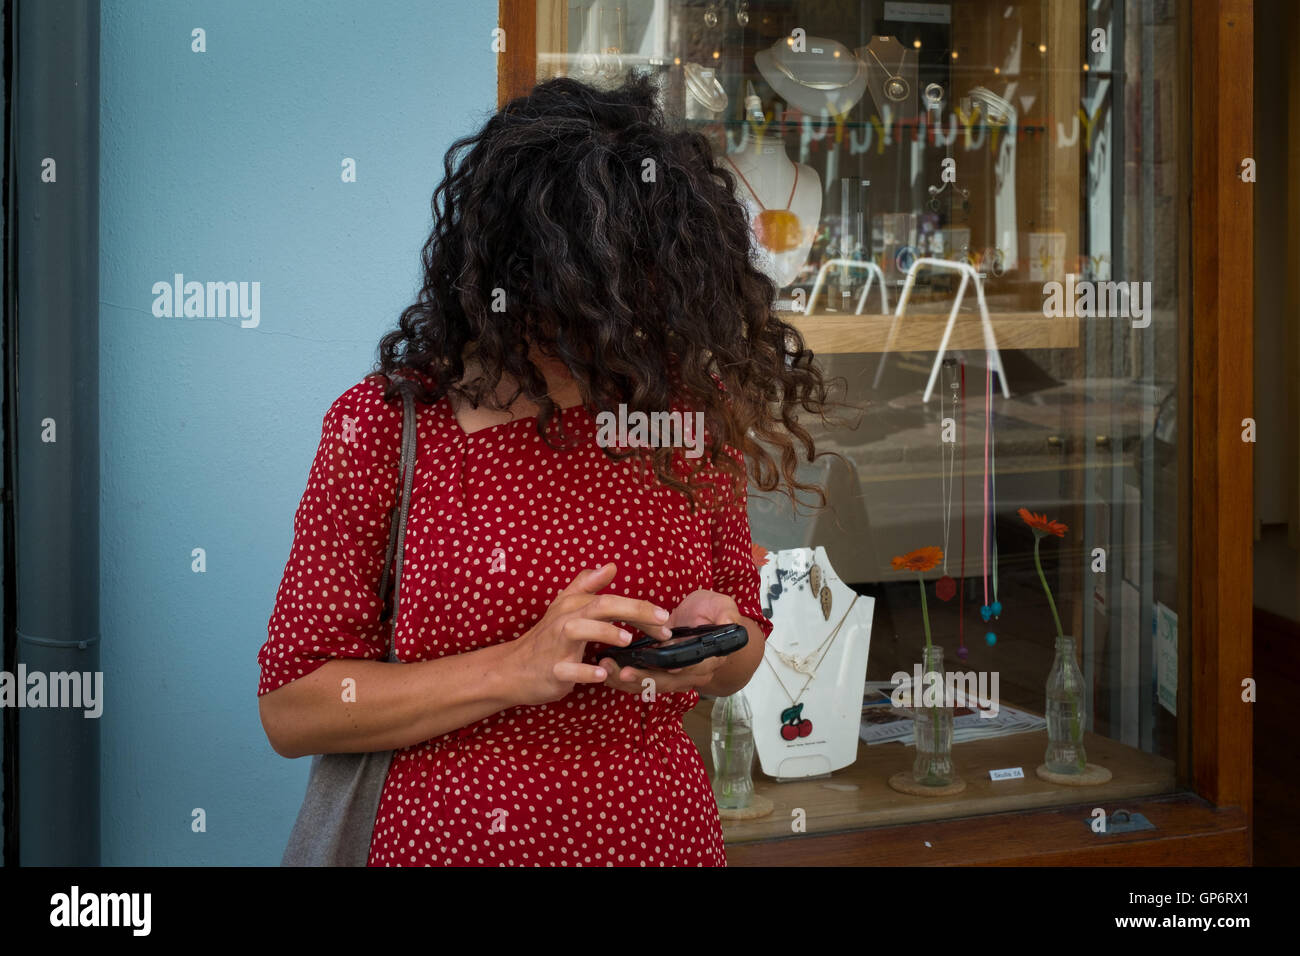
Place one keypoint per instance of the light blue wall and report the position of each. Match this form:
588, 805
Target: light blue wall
225, 166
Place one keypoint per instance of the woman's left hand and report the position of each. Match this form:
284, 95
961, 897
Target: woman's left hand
699, 607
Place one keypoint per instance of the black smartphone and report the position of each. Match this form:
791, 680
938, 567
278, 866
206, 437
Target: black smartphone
687, 646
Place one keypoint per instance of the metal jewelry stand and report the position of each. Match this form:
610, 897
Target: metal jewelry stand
873, 272
968, 274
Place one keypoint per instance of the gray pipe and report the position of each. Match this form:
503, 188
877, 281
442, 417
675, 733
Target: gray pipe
55, 103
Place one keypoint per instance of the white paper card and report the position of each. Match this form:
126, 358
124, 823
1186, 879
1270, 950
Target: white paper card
1166, 651
1010, 773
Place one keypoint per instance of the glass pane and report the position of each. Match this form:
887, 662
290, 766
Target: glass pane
969, 210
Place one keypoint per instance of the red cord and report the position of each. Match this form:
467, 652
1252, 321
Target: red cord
961, 581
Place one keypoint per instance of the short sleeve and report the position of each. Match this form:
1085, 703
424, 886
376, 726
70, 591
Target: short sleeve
327, 605
734, 571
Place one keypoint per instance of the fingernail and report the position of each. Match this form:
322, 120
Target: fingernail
661, 614
625, 636
600, 672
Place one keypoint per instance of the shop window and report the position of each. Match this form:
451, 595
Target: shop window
1019, 159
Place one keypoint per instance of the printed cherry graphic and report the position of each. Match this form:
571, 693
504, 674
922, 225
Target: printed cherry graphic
794, 724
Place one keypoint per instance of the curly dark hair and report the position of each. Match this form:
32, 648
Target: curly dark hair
579, 224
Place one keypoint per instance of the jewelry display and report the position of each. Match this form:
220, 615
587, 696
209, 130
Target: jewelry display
768, 181
793, 723
991, 609
968, 276
826, 85
962, 652
809, 686
1000, 113
705, 96
945, 588
874, 275
895, 87
777, 230
892, 71
823, 77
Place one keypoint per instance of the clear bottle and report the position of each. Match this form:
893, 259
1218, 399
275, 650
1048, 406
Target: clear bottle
733, 752
932, 726
1066, 712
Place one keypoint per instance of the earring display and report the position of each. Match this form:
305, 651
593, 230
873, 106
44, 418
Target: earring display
806, 695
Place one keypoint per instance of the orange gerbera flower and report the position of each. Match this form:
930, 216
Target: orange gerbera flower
1041, 525
922, 559
759, 554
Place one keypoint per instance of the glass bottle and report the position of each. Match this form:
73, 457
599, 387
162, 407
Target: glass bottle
1065, 712
733, 752
932, 725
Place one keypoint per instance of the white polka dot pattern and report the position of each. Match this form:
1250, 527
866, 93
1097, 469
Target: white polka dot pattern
499, 523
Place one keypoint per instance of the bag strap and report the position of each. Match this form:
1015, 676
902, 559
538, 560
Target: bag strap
397, 527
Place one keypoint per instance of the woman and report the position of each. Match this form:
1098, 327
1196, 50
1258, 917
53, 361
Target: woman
584, 258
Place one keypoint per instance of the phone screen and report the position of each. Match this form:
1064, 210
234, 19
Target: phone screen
682, 635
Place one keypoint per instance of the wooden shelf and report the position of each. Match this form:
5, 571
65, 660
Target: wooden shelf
870, 802
835, 332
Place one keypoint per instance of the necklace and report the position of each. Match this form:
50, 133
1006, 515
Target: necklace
896, 88
961, 599
819, 589
991, 609
815, 85
793, 723
777, 230
946, 588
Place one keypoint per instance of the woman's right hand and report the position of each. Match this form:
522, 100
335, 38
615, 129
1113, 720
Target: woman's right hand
548, 657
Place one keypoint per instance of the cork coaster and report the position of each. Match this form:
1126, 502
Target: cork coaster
903, 783
759, 806
1091, 776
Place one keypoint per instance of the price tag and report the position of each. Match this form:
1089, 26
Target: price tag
1011, 773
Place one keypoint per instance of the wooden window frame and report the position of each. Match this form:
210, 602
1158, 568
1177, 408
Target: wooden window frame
1209, 823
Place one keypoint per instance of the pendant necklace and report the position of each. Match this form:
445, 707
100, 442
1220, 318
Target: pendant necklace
945, 588
991, 609
793, 723
777, 230
819, 589
896, 88
825, 86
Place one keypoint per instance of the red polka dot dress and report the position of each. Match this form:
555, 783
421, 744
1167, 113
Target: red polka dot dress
499, 523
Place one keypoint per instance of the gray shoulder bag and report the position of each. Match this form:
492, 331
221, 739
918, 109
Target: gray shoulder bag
337, 818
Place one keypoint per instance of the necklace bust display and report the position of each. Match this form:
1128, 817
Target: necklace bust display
784, 201
891, 70
823, 76
806, 695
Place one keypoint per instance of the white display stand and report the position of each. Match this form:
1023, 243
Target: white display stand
833, 698
821, 77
